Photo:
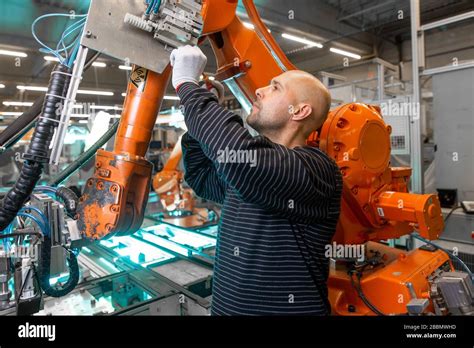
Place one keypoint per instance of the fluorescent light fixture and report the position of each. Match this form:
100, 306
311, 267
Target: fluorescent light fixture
32, 88
51, 59
86, 91
212, 78
2, 85
99, 64
124, 94
302, 40
13, 53
125, 67
13, 103
10, 113
105, 107
83, 121
345, 53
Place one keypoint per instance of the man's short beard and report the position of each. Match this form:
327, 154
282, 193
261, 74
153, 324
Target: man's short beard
254, 123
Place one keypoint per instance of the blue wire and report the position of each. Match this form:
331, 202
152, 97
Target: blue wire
157, 6
70, 62
43, 228
46, 47
39, 212
46, 188
150, 6
69, 30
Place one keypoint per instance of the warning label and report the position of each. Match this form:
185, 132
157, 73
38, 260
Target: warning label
138, 78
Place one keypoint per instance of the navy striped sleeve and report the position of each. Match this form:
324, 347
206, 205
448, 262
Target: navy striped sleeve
200, 173
295, 182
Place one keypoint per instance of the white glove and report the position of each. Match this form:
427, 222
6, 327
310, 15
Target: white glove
188, 64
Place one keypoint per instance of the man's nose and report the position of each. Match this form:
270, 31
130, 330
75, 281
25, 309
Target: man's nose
260, 92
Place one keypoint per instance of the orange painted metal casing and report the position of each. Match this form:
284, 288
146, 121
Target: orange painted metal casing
114, 199
386, 285
358, 139
241, 53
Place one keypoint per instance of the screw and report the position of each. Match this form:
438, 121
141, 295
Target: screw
88, 33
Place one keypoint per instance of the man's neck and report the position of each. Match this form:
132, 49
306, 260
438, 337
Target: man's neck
285, 139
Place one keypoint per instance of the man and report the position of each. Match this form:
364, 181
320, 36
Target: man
280, 199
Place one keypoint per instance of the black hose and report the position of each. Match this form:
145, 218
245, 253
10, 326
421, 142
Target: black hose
38, 151
84, 157
69, 199
44, 271
21, 125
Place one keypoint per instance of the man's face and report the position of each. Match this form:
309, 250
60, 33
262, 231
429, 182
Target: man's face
271, 110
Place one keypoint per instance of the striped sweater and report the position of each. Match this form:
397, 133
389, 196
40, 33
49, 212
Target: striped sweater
280, 208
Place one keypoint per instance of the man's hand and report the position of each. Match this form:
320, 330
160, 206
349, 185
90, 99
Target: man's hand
188, 64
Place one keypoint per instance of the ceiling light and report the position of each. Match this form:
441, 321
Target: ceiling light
345, 53
124, 94
10, 113
170, 97
212, 78
125, 67
99, 64
85, 91
104, 107
51, 58
13, 103
13, 53
2, 85
33, 88
83, 121
301, 40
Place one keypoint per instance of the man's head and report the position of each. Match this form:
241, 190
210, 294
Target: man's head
295, 104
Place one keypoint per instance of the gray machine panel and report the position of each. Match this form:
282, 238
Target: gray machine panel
107, 33
453, 111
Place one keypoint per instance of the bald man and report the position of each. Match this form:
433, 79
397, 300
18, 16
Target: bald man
280, 198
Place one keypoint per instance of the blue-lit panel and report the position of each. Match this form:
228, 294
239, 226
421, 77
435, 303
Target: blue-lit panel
136, 251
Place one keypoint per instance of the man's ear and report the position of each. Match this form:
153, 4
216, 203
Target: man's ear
301, 111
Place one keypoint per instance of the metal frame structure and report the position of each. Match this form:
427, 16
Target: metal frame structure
418, 65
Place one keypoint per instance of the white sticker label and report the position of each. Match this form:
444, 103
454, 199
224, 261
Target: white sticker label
380, 211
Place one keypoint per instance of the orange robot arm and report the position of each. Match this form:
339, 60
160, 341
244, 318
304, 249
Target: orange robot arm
376, 204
